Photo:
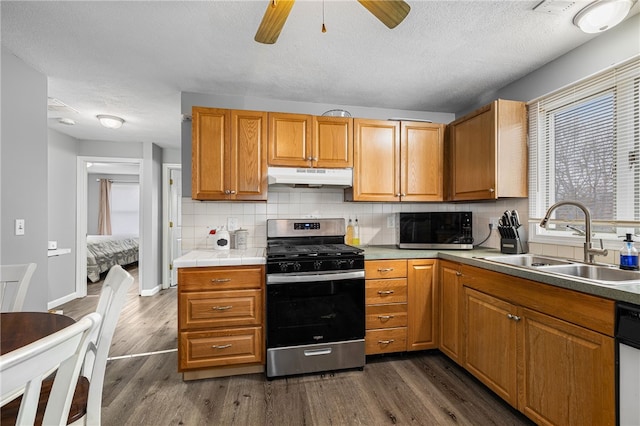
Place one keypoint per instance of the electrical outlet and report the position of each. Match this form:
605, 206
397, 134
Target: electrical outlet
391, 221
233, 224
493, 222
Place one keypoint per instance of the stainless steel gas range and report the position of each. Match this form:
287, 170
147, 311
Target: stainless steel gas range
315, 298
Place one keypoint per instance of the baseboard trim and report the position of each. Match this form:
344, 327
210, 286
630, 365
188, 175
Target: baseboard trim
62, 300
150, 292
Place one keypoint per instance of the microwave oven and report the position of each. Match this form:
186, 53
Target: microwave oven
436, 230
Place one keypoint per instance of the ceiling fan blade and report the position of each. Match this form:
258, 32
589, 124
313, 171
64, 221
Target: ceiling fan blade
273, 20
389, 12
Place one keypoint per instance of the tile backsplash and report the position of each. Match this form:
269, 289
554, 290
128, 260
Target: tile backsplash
377, 221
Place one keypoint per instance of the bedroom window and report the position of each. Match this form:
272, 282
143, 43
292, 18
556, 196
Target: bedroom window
125, 208
584, 145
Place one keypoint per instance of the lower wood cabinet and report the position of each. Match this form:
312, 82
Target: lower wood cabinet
547, 351
220, 321
401, 305
451, 305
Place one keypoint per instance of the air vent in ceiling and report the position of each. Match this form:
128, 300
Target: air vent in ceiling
554, 7
56, 105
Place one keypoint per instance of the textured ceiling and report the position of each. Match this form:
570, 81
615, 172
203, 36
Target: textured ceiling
133, 58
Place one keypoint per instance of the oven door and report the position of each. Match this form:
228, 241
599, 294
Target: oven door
318, 308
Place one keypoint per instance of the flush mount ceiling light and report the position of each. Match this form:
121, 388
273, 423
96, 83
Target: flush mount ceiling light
110, 121
66, 121
601, 15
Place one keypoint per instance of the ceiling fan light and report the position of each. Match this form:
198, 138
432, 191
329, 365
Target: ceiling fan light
110, 121
601, 15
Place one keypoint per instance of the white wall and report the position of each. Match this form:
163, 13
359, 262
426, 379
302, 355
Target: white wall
23, 172
61, 185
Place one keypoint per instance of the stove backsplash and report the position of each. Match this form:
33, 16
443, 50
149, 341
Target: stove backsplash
377, 220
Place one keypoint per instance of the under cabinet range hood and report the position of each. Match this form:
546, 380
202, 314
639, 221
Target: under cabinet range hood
310, 177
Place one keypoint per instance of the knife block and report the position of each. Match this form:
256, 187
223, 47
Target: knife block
514, 245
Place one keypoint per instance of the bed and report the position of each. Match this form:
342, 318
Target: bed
105, 251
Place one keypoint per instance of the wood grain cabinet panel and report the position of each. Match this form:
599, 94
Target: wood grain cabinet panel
393, 290
487, 157
382, 269
228, 154
422, 304
451, 303
220, 320
300, 140
397, 161
385, 340
386, 316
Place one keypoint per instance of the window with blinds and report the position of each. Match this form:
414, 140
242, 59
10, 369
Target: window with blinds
584, 145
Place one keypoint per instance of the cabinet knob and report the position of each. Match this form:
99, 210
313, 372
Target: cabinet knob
226, 191
232, 192
403, 195
491, 190
458, 274
513, 317
398, 194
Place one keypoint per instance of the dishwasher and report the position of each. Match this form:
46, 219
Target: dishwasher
628, 363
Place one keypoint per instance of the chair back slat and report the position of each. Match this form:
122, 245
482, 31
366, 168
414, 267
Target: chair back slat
15, 280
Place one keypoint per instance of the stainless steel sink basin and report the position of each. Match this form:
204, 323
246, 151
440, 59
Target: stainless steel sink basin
528, 260
599, 273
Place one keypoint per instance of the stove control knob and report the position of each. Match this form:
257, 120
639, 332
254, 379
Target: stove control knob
338, 264
351, 263
317, 265
283, 266
297, 266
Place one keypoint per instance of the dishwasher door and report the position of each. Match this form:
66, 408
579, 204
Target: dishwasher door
628, 363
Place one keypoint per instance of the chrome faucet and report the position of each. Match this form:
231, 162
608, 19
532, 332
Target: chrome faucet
589, 251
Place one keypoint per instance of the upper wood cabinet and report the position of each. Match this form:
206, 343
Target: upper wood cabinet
487, 156
397, 161
229, 155
300, 140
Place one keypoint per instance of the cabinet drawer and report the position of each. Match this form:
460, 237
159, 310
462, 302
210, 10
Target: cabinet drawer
386, 340
220, 308
385, 291
385, 269
201, 349
220, 278
386, 316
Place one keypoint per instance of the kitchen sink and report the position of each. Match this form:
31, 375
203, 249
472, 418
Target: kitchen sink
600, 273
528, 260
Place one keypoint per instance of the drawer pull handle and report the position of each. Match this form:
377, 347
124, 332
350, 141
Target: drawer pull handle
386, 342
385, 269
316, 352
221, 280
221, 308
458, 274
221, 346
513, 317
385, 292
385, 317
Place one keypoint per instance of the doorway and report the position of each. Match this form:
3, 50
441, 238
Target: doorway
87, 169
171, 222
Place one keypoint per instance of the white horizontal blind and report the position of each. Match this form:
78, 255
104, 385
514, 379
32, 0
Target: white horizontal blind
584, 145
125, 208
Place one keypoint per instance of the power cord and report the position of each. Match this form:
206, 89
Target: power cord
490, 230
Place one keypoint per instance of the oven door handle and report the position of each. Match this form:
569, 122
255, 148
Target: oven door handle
292, 278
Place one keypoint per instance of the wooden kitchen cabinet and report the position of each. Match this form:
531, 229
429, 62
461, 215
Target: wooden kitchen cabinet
386, 306
229, 154
220, 321
299, 140
487, 156
422, 304
548, 351
397, 161
451, 305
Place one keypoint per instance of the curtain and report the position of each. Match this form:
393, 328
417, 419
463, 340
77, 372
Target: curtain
104, 210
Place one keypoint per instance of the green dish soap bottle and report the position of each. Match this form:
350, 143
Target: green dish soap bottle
629, 255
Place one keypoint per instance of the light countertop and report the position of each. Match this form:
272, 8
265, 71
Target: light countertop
255, 256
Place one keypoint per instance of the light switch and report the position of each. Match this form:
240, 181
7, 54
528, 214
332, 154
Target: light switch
19, 226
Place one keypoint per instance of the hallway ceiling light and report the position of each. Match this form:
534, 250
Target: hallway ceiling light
602, 14
110, 121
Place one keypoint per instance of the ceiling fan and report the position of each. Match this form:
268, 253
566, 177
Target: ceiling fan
389, 12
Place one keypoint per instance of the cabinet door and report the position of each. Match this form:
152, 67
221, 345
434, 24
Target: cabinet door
568, 372
290, 140
210, 147
422, 305
422, 159
248, 177
490, 343
332, 142
474, 157
450, 312
376, 174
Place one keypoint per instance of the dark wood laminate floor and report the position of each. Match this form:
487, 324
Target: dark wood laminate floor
142, 386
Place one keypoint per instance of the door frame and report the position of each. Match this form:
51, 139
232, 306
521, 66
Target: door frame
82, 180
166, 207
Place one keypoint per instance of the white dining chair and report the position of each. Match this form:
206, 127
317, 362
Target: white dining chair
14, 280
23, 370
112, 299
